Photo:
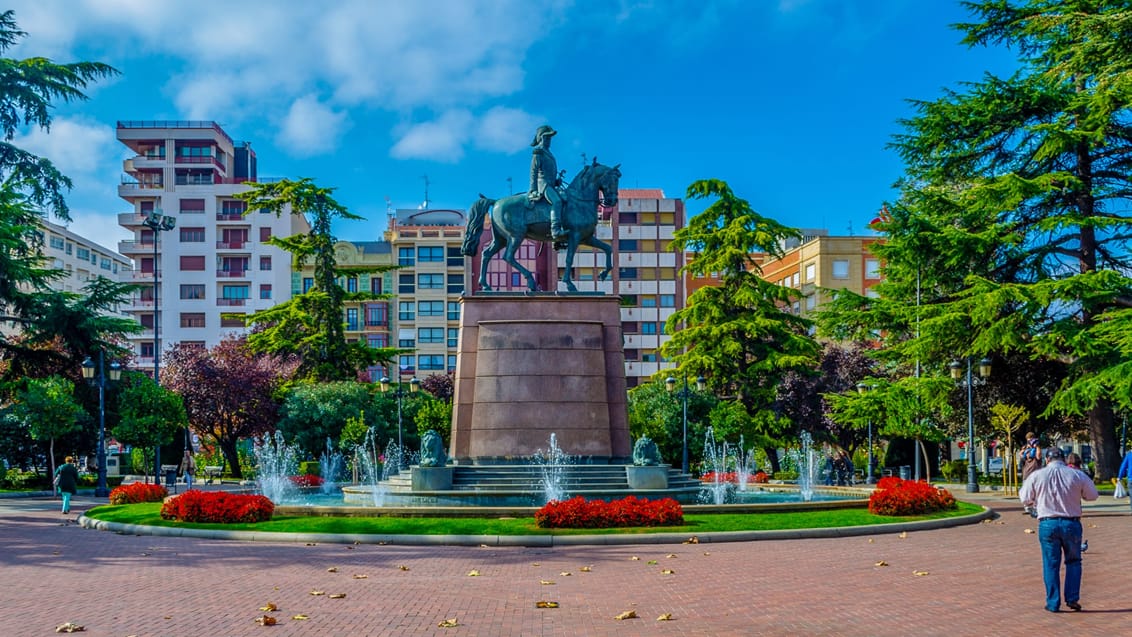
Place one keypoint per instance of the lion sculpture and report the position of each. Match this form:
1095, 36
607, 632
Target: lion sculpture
432, 450
645, 453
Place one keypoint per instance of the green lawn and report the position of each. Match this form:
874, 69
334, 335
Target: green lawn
150, 514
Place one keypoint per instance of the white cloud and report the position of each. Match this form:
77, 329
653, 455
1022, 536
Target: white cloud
310, 127
439, 140
75, 146
506, 130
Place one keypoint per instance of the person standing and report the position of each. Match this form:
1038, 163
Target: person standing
545, 180
1125, 472
1056, 491
1031, 457
67, 482
188, 468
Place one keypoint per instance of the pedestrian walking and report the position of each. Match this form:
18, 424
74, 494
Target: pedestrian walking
188, 468
67, 482
1056, 492
1125, 472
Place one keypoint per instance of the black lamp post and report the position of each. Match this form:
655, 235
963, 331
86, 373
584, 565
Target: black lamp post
862, 389
158, 223
101, 491
956, 369
683, 395
399, 393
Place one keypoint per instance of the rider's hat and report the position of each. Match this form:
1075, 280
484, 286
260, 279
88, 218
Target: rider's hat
543, 131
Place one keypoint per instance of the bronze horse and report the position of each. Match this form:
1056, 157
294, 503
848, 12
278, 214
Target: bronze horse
514, 219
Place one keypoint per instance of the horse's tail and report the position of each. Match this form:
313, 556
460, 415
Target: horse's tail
474, 228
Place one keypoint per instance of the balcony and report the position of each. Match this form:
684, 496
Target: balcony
131, 246
232, 274
141, 276
229, 216
128, 189
231, 245
139, 162
231, 302
130, 219
137, 303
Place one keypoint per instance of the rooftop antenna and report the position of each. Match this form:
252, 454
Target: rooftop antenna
583, 160
510, 186
850, 228
425, 204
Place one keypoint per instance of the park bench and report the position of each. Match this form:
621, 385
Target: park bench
212, 473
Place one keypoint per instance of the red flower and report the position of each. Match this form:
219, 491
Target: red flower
306, 480
894, 496
136, 492
579, 513
217, 507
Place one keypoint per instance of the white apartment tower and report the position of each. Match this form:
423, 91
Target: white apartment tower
210, 259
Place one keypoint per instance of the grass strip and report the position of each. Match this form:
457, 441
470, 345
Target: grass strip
149, 514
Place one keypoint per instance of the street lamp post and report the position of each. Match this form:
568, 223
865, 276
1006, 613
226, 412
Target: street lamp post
158, 223
956, 369
683, 395
399, 393
862, 388
101, 491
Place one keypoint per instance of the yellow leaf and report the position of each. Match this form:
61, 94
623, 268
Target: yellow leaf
586, 569
269, 607
266, 620
666, 617
652, 562
692, 540
448, 623
332, 569
546, 582
69, 627
337, 596
1092, 526
870, 540
403, 567
473, 573
881, 563
919, 573
300, 617
535, 564
316, 593
1028, 531
903, 534
635, 558
360, 576
668, 571
546, 604
629, 614
565, 573
670, 555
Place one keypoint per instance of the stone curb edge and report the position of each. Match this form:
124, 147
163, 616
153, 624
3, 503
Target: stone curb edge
533, 540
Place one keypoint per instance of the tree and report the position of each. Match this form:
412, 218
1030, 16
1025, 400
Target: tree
311, 325
1012, 214
441, 386
801, 396
434, 414
48, 409
230, 393
315, 412
149, 414
659, 414
739, 335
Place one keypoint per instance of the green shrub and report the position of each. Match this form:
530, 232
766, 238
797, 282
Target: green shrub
953, 469
310, 468
786, 476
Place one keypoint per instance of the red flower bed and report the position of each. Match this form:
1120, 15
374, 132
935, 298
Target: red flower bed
217, 507
894, 496
579, 513
136, 492
760, 477
733, 477
307, 480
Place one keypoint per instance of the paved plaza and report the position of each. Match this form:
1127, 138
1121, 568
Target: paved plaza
981, 579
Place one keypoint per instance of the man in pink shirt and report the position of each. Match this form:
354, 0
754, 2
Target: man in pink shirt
1056, 492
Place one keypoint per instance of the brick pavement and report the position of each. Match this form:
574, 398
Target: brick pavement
981, 579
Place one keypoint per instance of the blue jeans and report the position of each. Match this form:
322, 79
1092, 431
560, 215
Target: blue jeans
66, 501
1060, 537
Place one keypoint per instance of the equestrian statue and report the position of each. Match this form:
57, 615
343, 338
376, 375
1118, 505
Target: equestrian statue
566, 218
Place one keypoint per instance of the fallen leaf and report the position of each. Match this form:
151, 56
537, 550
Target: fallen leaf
546, 582
666, 617
535, 564
586, 569
403, 567
1092, 526
448, 623
317, 593
903, 534
357, 542
629, 614
707, 552
300, 617
635, 558
473, 573
670, 555
55, 552
270, 606
565, 573
349, 548
668, 571
546, 604
266, 620
870, 540
337, 596
168, 617
652, 562
69, 627
360, 576
919, 573
881, 563
1028, 531
311, 544
692, 540
332, 569
382, 543
484, 546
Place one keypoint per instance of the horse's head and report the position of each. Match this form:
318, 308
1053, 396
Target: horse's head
607, 179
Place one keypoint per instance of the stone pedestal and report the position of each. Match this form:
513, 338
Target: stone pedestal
655, 477
532, 365
432, 478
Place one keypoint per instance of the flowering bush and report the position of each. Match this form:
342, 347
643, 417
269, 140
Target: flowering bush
306, 480
217, 507
136, 492
760, 477
894, 496
733, 477
579, 513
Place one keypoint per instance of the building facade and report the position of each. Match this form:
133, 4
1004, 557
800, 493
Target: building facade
819, 263
213, 267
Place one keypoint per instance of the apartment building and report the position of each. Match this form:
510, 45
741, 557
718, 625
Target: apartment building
211, 261
819, 263
427, 287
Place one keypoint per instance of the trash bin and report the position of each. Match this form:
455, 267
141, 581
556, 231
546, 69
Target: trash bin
905, 472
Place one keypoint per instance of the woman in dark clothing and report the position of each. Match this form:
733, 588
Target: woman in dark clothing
67, 482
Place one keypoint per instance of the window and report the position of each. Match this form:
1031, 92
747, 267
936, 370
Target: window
146, 321
192, 264
233, 208
453, 336
667, 300
405, 311
265, 290
104, 263
264, 233
352, 319
811, 301
430, 281
234, 292
57, 242
872, 269
455, 283
194, 151
376, 314
630, 327
430, 308
648, 300
188, 206
455, 259
265, 263
649, 356
70, 247
308, 283
406, 342
405, 256
627, 245
648, 328
377, 340
352, 284
192, 235
626, 218
192, 291
192, 319
628, 300
93, 258
431, 362
430, 254
430, 334
841, 268
453, 310
233, 320
147, 348
809, 272
375, 285
794, 279
451, 362
632, 354
82, 254
628, 274
406, 284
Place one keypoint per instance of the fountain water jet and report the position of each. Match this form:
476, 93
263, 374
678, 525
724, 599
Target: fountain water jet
276, 462
330, 467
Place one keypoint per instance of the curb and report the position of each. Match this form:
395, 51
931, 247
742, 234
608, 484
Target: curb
533, 540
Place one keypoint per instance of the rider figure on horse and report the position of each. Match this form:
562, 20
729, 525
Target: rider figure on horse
545, 180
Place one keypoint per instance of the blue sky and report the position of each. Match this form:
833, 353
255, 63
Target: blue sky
790, 101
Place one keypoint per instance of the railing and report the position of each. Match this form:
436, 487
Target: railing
175, 124
231, 302
229, 216
231, 274
132, 245
230, 245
